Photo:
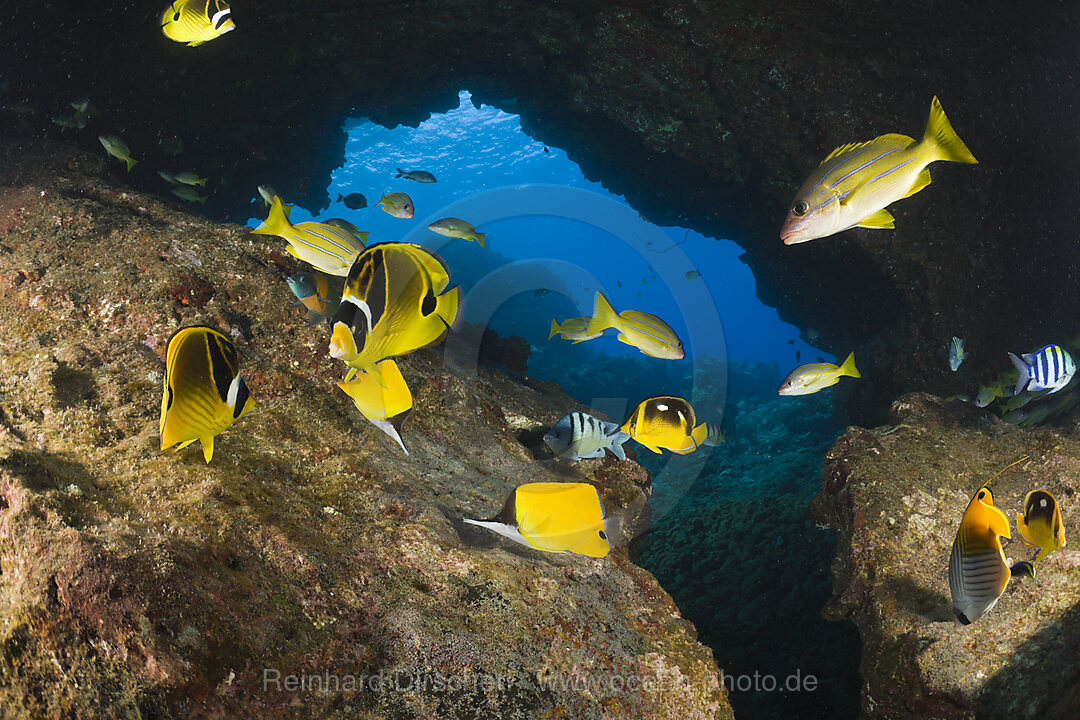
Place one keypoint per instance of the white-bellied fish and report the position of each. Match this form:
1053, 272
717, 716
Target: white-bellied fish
578, 436
457, 228
810, 378
1049, 368
203, 393
575, 329
978, 572
1040, 524
189, 178
555, 517
395, 302
420, 176
856, 182
196, 21
267, 194
665, 422
643, 330
384, 399
956, 353
398, 205
319, 293
325, 247
713, 435
118, 149
186, 192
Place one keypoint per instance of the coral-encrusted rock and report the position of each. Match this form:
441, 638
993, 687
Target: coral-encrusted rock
896, 494
311, 553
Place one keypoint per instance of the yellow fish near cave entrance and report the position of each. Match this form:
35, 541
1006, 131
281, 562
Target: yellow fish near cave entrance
196, 21
325, 247
856, 182
204, 393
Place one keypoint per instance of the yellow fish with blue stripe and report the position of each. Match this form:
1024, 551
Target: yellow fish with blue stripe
118, 149
386, 405
856, 182
1040, 524
395, 302
575, 329
555, 517
643, 330
204, 393
397, 204
810, 378
196, 21
666, 422
325, 247
978, 572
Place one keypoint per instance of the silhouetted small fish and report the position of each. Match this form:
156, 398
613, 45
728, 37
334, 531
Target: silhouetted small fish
541, 292
797, 355
353, 201
790, 342
691, 274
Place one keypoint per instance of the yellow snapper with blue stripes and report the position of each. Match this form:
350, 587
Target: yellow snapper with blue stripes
196, 21
643, 330
203, 393
325, 247
812, 377
856, 182
574, 329
956, 353
978, 572
1049, 368
1040, 524
988, 392
398, 205
118, 149
189, 178
395, 302
457, 228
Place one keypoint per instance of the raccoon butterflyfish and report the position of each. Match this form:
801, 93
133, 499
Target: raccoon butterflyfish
320, 294
203, 392
196, 21
555, 517
1040, 524
386, 406
393, 304
325, 247
978, 572
665, 422
643, 330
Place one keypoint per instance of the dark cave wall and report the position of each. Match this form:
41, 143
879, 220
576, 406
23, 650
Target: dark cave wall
709, 114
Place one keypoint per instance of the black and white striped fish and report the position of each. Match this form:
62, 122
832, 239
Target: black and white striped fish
978, 572
1050, 368
579, 436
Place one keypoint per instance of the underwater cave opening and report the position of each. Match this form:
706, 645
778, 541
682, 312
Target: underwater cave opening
731, 538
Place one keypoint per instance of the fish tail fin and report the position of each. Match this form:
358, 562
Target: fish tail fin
555, 328
400, 173
276, 221
340, 198
480, 239
448, 305
603, 317
942, 140
131, 162
848, 368
201, 182
1025, 373
700, 433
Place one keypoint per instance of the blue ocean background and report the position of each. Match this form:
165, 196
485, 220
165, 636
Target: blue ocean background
730, 536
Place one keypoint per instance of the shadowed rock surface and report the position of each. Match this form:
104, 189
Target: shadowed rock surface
703, 113
138, 583
896, 494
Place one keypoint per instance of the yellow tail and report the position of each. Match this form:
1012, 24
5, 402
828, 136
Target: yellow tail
277, 220
700, 433
942, 141
603, 317
554, 328
132, 162
480, 239
848, 368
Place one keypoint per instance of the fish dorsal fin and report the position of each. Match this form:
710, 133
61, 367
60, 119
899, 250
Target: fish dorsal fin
889, 139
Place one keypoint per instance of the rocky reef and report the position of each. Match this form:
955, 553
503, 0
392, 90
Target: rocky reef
311, 569
705, 114
896, 494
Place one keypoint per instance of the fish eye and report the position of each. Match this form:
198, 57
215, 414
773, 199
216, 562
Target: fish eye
801, 208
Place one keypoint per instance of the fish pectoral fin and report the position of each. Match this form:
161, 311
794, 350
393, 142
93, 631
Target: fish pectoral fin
881, 220
921, 181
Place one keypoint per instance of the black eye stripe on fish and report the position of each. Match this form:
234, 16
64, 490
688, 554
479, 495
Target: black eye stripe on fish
220, 367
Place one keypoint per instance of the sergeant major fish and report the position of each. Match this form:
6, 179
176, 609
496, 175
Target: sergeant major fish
1049, 368
579, 436
856, 182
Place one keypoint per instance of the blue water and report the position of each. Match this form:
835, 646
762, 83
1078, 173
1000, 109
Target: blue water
563, 233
